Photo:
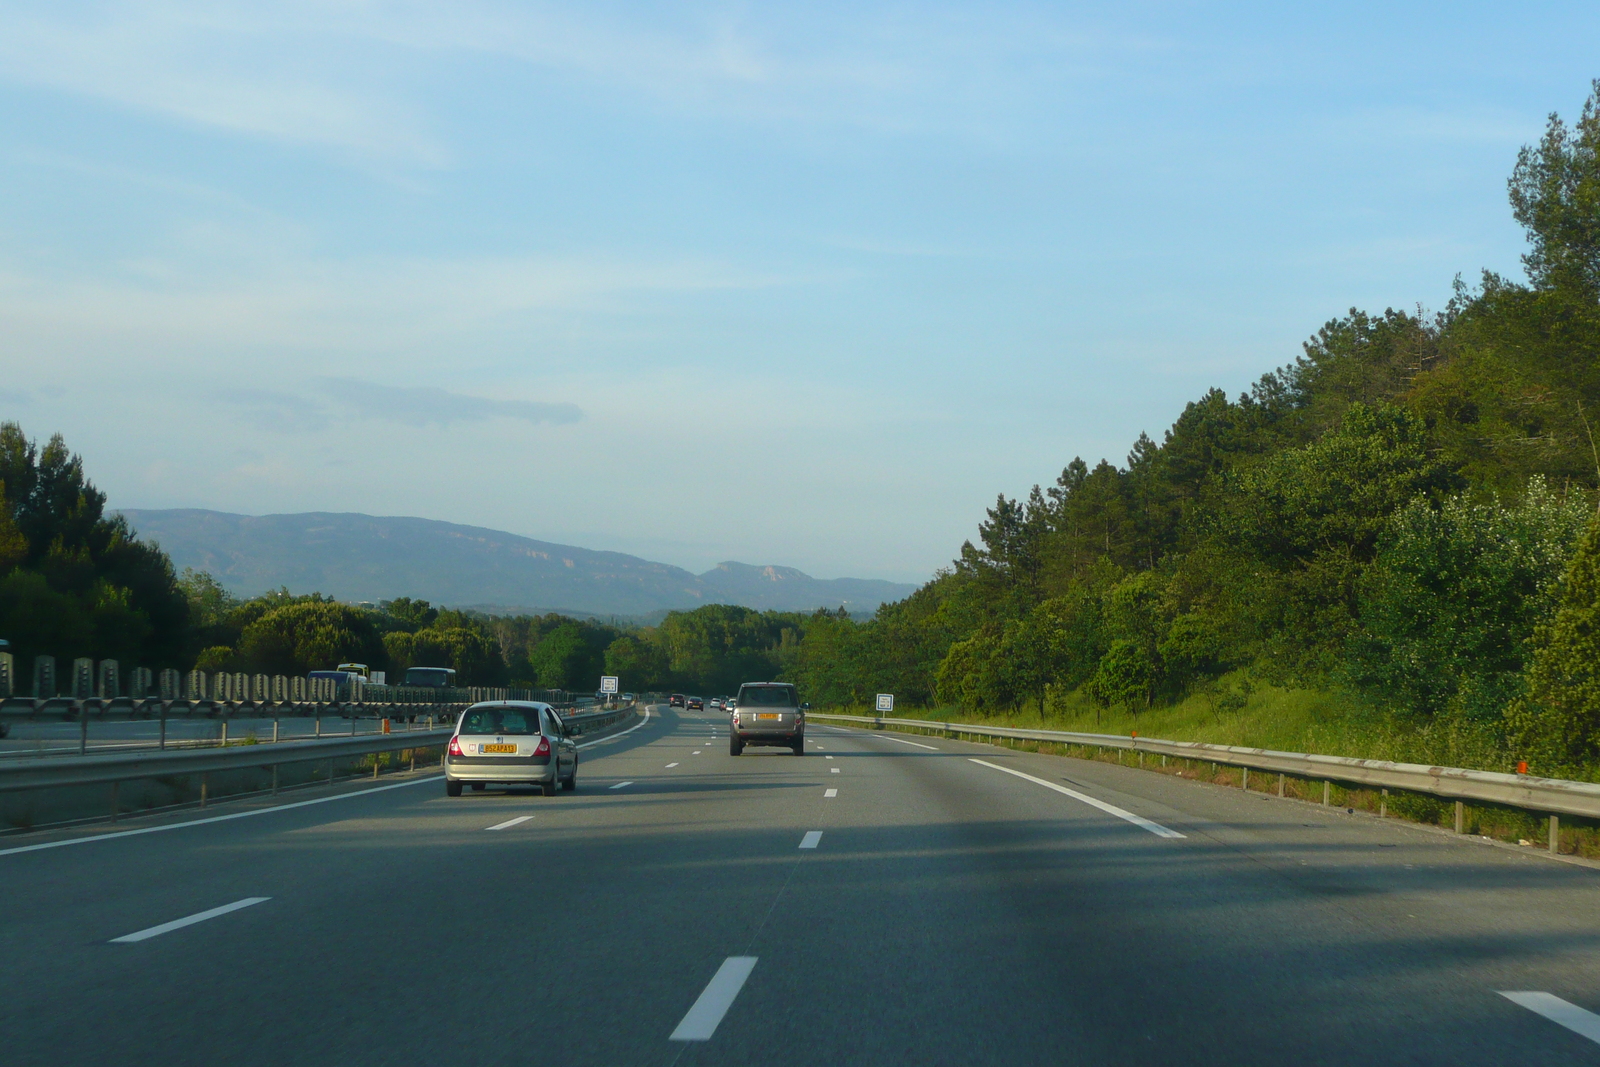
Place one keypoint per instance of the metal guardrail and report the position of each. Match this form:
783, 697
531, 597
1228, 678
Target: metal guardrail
131, 766
1553, 796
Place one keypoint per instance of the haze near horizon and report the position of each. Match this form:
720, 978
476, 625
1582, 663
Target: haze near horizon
704, 282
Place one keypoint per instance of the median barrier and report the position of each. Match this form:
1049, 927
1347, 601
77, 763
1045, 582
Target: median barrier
234, 762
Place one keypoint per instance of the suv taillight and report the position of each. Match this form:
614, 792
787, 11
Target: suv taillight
455, 746
544, 747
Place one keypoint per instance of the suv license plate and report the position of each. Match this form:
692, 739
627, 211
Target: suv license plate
504, 749
767, 715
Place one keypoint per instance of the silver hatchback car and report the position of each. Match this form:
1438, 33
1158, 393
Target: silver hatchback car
510, 742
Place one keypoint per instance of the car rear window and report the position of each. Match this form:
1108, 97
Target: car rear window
500, 721
766, 696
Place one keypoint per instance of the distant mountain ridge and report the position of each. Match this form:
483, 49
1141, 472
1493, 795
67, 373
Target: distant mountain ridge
363, 557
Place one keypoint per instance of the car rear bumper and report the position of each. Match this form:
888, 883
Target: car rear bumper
482, 770
769, 737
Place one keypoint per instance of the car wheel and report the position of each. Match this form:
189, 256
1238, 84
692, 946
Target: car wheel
799, 746
735, 746
548, 788
570, 783
478, 787
452, 789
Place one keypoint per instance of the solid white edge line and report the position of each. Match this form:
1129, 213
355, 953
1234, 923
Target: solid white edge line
510, 823
189, 920
215, 818
812, 838
1558, 1011
1110, 809
830, 793
622, 733
715, 1000
620, 785
903, 741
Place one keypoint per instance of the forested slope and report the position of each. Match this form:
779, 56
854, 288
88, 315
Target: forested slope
1389, 516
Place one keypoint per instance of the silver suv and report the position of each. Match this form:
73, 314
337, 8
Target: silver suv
510, 742
767, 713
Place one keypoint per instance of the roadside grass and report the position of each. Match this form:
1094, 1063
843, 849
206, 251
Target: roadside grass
1236, 712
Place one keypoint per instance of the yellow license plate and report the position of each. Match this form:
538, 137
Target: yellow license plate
503, 749
768, 715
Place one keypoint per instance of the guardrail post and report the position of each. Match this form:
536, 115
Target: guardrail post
114, 804
1327, 792
83, 727
1383, 805
1555, 835
162, 742
1280, 785
202, 791
224, 743
274, 779
1245, 780
1461, 817
274, 730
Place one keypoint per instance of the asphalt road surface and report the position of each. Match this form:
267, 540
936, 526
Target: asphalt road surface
884, 899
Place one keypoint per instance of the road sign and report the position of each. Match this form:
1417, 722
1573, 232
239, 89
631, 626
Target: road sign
885, 701
608, 684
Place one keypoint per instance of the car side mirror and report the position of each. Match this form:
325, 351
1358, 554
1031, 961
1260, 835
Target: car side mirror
805, 707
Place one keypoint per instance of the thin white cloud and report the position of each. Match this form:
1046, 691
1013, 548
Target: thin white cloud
355, 75
429, 405
297, 304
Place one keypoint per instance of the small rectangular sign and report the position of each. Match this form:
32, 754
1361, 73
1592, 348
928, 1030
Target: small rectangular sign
608, 684
885, 701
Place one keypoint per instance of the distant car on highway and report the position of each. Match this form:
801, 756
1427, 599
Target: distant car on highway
510, 742
716, 704
675, 700
768, 714
730, 706
694, 704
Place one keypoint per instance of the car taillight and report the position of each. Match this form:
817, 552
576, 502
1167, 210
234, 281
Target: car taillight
455, 746
544, 747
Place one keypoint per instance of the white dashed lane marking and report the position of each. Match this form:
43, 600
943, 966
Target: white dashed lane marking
1560, 1012
831, 793
179, 924
621, 785
715, 1000
812, 838
509, 823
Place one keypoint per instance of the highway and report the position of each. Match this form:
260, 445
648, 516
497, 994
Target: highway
885, 899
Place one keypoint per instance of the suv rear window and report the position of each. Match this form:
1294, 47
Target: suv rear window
767, 696
500, 721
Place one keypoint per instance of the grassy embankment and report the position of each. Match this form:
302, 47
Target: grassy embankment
1293, 720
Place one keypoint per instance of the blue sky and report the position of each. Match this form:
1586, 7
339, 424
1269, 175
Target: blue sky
801, 284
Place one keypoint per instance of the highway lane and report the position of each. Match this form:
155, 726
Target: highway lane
945, 912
